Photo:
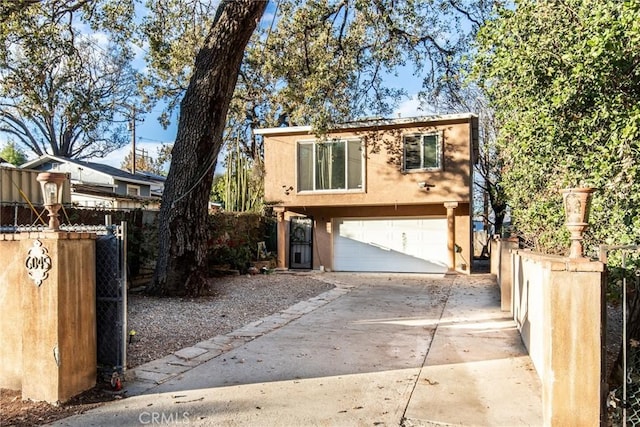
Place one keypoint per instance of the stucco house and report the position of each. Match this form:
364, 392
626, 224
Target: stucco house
380, 195
103, 186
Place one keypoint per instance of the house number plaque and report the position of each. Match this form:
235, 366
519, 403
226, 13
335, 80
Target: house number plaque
38, 263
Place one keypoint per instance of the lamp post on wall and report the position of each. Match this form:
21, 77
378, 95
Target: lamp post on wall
52, 184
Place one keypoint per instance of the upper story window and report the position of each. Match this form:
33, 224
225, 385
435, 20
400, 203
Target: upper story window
133, 190
422, 152
330, 165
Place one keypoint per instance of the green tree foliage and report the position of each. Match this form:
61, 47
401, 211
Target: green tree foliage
13, 154
148, 163
317, 62
564, 78
174, 32
61, 89
314, 62
218, 189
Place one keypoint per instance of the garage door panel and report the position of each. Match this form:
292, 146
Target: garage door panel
402, 245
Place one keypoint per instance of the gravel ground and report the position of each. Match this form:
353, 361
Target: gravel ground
165, 325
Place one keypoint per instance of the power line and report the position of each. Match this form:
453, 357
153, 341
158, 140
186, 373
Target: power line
154, 140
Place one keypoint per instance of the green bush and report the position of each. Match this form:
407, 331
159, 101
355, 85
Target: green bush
234, 239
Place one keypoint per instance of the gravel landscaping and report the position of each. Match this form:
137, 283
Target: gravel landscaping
164, 325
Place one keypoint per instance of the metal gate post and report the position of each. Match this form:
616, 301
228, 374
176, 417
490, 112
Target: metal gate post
124, 278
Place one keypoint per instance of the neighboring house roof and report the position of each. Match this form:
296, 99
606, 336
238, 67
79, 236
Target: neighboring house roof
122, 175
367, 123
152, 176
156, 182
5, 163
96, 190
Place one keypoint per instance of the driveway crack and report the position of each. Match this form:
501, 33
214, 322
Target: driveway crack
403, 422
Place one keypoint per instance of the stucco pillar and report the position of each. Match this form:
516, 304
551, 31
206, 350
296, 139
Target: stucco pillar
557, 309
52, 275
505, 275
572, 338
282, 240
451, 234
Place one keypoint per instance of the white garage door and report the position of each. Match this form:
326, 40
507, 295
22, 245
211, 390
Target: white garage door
416, 245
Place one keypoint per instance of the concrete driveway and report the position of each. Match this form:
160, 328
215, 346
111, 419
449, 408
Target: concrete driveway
379, 349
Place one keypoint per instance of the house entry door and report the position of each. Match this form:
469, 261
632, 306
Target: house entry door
301, 243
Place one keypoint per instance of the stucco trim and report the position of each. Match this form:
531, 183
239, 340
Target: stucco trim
358, 124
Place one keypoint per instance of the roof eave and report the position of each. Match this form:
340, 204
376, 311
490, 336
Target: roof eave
358, 124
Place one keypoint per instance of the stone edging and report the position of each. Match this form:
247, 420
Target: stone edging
149, 375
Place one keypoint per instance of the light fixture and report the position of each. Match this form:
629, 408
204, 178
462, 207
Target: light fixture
423, 185
52, 184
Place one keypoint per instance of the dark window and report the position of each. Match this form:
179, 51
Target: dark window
422, 152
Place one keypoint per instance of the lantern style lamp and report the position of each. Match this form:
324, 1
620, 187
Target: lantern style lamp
52, 184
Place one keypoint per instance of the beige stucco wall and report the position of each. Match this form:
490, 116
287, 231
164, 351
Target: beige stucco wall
387, 192
12, 254
528, 278
48, 331
501, 266
384, 182
557, 305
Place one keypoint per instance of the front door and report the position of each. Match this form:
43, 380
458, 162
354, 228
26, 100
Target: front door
301, 243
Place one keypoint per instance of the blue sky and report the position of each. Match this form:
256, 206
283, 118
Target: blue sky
150, 135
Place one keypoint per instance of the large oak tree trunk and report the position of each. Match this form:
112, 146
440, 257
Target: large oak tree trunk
182, 237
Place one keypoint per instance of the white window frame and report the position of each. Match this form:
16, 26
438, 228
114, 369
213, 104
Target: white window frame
313, 178
131, 187
439, 151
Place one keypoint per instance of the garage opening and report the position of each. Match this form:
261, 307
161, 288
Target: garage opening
408, 245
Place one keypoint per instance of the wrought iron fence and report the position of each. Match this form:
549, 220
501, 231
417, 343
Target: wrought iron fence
623, 284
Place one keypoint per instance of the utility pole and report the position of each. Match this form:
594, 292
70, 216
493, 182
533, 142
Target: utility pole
133, 140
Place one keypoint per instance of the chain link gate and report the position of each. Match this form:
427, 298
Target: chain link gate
623, 402
111, 299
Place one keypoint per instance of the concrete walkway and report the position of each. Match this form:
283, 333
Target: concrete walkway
381, 350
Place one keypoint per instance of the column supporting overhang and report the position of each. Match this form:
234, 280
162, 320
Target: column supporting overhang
451, 234
281, 263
